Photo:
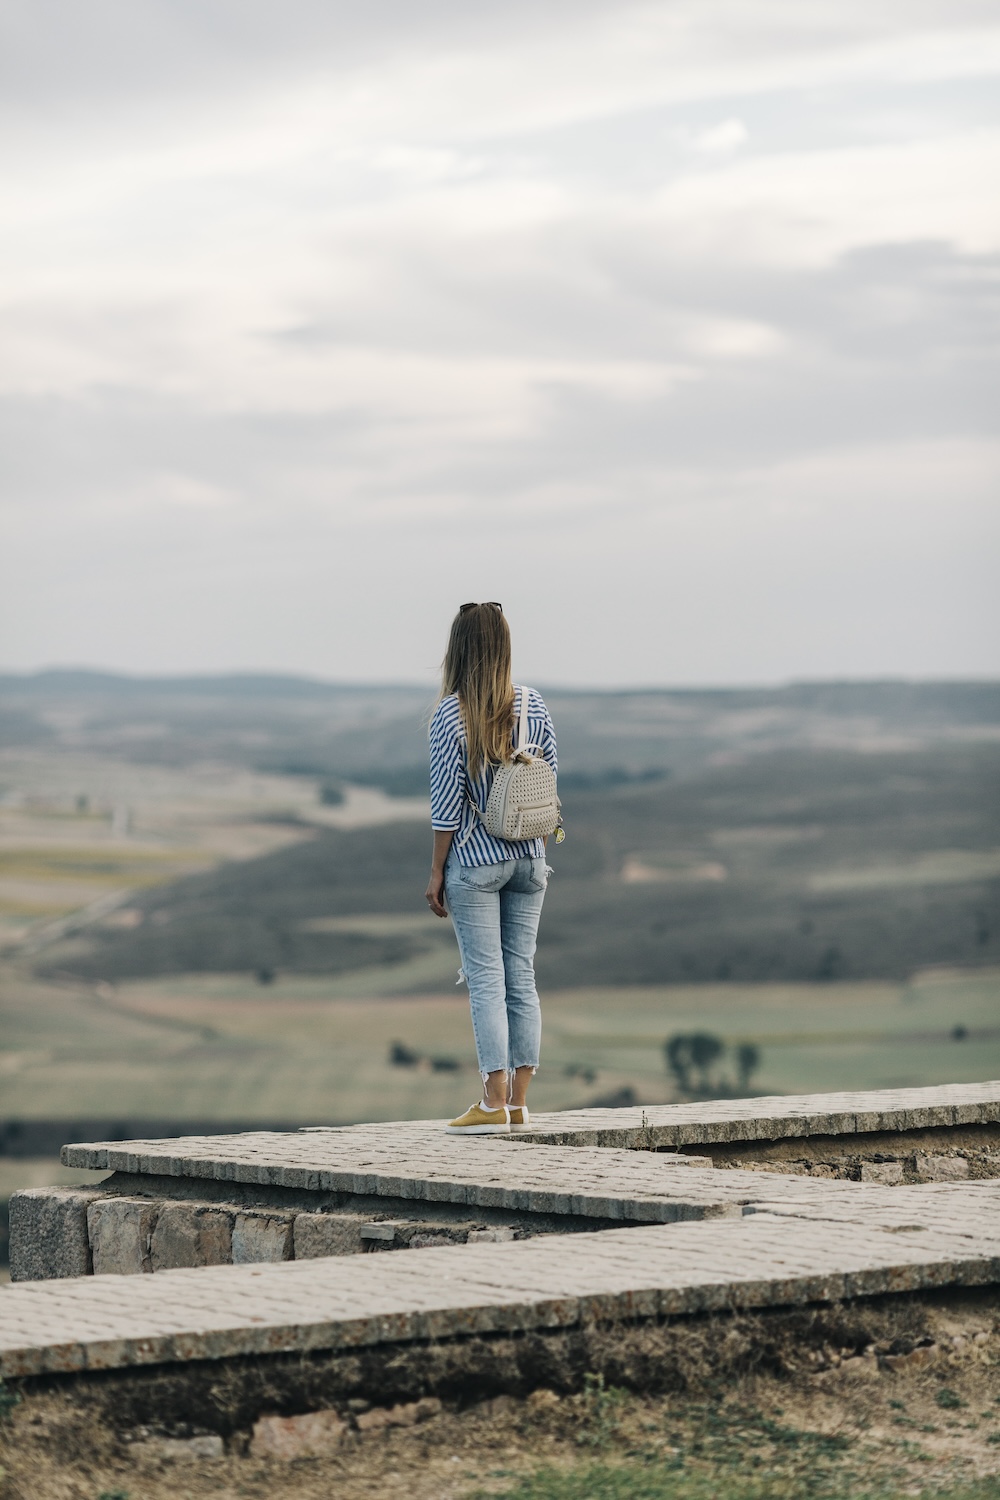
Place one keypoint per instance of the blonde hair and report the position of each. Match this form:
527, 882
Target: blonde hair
476, 667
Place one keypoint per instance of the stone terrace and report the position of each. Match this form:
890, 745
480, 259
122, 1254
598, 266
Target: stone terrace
702, 1238
346, 1303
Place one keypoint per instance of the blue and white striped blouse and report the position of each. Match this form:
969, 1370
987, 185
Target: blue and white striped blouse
450, 809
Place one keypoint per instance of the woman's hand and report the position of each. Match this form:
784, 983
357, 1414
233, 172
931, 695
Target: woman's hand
435, 886
435, 893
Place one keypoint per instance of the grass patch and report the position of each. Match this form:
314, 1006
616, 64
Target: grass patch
317, 1048
600, 1481
721, 1449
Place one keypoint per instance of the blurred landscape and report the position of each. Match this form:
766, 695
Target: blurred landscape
212, 896
211, 902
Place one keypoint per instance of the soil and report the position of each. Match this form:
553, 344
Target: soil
922, 1420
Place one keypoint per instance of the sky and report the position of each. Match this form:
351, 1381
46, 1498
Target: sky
670, 326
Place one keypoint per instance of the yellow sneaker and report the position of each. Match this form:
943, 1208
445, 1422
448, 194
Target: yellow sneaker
481, 1121
519, 1117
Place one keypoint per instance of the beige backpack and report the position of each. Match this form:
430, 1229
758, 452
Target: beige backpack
523, 803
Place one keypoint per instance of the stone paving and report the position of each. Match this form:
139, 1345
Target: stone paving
654, 1127
759, 1261
417, 1162
772, 1118
706, 1237
428, 1166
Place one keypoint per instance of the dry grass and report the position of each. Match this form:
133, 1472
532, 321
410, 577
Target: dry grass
774, 1431
58, 856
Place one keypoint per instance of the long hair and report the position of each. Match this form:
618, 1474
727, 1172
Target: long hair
477, 667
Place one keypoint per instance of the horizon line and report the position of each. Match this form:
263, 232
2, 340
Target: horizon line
384, 684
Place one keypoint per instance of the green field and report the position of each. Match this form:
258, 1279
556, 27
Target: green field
315, 1049
189, 930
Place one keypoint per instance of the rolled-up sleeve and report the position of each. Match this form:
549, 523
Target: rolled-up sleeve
447, 771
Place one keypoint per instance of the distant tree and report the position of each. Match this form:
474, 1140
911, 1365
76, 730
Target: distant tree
706, 1049
747, 1062
402, 1056
330, 794
677, 1052
697, 1051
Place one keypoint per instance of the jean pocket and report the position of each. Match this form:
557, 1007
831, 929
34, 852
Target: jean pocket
484, 877
538, 877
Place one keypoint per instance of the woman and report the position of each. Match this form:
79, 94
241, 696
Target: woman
494, 887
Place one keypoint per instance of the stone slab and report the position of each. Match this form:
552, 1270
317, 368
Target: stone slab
191, 1234
260, 1237
317, 1235
415, 1159
416, 1164
767, 1259
121, 1232
970, 1212
777, 1117
48, 1233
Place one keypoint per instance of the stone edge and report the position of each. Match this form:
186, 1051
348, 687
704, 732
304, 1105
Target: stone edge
545, 1312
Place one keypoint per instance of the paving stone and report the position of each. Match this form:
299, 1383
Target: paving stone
191, 1234
259, 1236
48, 1233
121, 1231
378, 1236
311, 1435
317, 1235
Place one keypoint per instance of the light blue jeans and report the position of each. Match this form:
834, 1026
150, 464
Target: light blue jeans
495, 911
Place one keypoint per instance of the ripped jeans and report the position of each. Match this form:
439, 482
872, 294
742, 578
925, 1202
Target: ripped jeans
495, 911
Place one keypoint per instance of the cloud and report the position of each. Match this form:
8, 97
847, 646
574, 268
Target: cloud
726, 136
352, 284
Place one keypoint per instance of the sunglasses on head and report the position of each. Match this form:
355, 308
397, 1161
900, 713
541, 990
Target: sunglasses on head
491, 603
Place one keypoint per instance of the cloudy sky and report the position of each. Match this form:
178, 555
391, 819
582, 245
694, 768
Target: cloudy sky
672, 326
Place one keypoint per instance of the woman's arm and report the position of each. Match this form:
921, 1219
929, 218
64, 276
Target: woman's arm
447, 795
435, 886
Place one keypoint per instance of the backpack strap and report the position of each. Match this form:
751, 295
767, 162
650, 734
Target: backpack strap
522, 723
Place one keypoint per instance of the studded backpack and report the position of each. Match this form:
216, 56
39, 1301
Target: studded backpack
523, 802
